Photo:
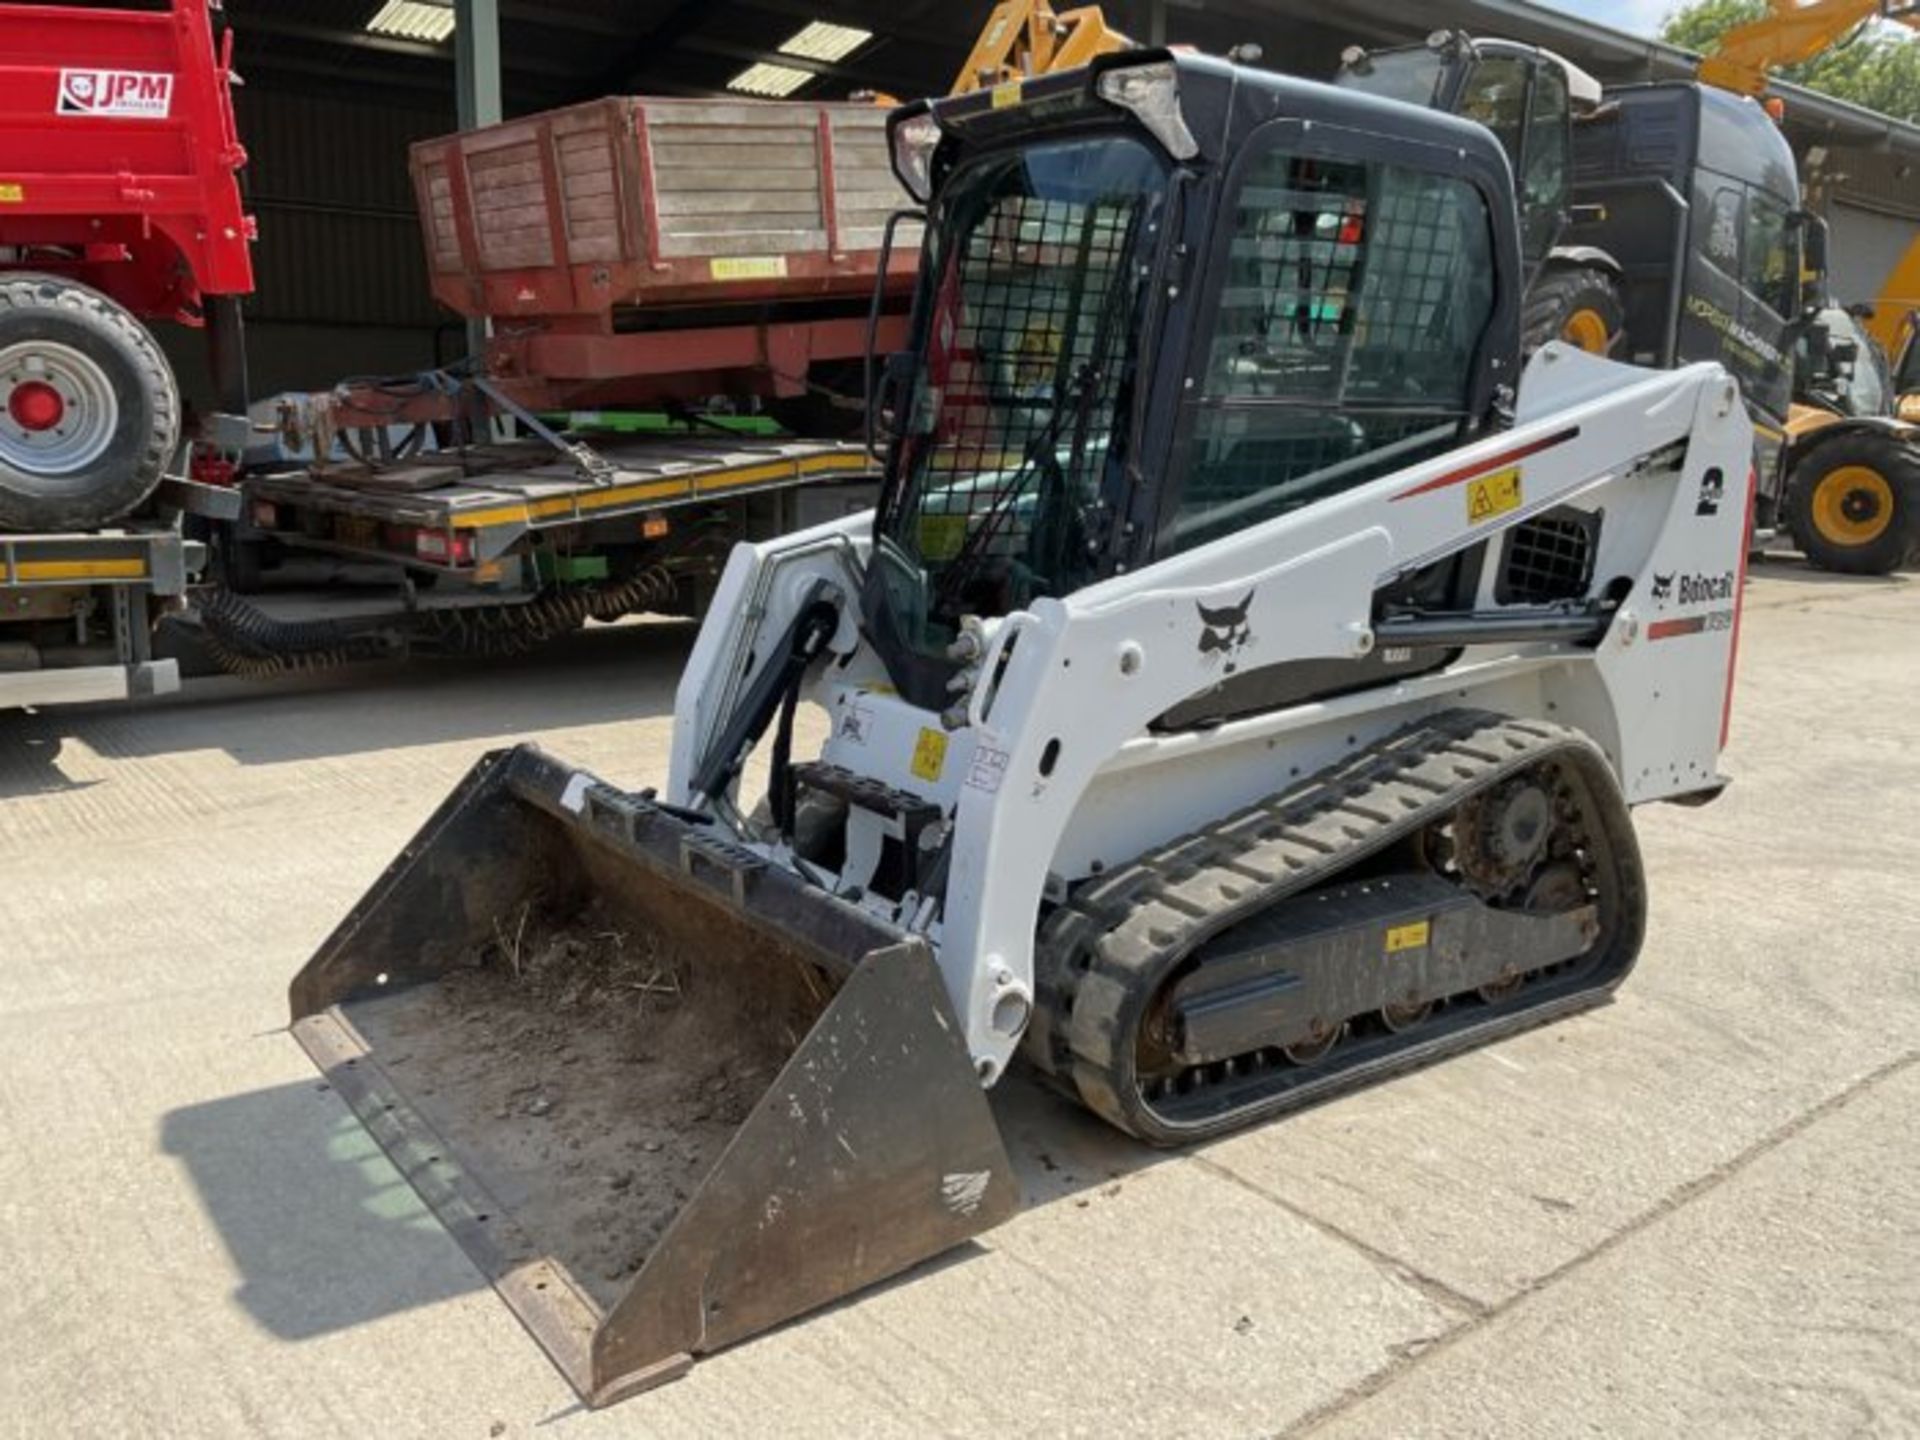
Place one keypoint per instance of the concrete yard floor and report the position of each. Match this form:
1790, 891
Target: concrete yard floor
1694, 1212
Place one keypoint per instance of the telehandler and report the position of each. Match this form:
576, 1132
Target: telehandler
1237, 697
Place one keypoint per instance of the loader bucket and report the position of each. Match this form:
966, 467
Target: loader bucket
664, 1094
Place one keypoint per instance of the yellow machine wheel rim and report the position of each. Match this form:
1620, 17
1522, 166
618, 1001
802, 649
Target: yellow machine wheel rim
1853, 505
1586, 330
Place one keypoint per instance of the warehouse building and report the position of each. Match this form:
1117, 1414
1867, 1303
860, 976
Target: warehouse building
338, 89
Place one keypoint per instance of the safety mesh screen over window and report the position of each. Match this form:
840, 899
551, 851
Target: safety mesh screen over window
1027, 338
1353, 306
1028, 361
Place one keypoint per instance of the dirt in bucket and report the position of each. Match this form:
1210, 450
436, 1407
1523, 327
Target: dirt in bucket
588, 1072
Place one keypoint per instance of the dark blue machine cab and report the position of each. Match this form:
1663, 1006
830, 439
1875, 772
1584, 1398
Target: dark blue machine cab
1694, 192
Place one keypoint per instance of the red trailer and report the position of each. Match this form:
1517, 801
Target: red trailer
118, 199
630, 250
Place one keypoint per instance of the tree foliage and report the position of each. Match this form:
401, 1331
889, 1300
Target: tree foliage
1878, 66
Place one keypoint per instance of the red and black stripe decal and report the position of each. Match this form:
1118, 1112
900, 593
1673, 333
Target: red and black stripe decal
1667, 629
1464, 473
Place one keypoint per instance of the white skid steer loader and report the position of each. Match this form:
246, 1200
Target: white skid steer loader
1237, 696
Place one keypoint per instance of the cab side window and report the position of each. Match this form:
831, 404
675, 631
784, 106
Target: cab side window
1496, 96
1770, 260
1543, 185
1354, 302
1723, 231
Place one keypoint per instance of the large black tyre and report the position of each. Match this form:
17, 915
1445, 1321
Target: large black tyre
1853, 503
89, 412
1577, 304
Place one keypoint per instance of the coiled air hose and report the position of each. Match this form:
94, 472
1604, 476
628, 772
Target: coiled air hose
244, 640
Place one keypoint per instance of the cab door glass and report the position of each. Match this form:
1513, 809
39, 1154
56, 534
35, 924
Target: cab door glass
1770, 263
1543, 185
1353, 303
1496, 96
1723, 232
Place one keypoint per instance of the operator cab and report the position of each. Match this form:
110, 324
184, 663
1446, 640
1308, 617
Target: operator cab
1840, 368
1695, 194
1527, 96
1164, 299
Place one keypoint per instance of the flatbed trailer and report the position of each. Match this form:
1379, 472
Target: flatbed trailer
77, 613
500, 547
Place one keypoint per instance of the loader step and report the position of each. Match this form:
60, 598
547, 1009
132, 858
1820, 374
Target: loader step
867, 793
1146, 1019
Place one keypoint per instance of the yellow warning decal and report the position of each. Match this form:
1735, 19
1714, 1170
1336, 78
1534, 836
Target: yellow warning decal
930, 754
1493, 494
1006, 94
748, 267
1409, 937
12, 193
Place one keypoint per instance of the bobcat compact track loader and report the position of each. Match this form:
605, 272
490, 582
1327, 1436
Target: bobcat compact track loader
1237, 697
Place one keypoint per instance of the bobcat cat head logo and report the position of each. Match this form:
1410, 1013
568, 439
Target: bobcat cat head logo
1662, 586
1224, 632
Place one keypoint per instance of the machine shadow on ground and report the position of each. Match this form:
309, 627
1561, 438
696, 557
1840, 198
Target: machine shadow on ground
326, 1234
603, 675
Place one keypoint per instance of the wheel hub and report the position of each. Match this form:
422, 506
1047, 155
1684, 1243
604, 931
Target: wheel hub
1586, 330
60, 411
1853, 505
1860, 505
36, 405
1500, 837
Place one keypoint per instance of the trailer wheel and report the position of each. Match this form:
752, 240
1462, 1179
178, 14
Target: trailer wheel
1853, 504
1578, 305
89, 412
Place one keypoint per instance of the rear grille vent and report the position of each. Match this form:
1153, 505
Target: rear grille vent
1549, 558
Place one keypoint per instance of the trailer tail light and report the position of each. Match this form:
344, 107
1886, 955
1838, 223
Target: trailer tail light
266, 515
653, 527
445, 547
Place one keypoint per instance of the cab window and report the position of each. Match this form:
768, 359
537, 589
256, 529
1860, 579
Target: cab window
1543, 186
1769, 262
1496, 96
1354, 300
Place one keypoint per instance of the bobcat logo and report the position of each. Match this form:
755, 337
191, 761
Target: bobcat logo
1224, 632
1662, 587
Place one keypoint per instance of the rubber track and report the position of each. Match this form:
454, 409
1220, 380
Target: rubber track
1103, 954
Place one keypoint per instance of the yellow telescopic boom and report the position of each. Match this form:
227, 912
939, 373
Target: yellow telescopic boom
1790, 34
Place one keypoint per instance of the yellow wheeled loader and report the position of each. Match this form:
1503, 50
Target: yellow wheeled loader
1238, 696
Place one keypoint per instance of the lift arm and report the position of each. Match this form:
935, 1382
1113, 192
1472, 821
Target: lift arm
1789, 34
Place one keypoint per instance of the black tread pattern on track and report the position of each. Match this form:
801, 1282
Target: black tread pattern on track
1103, 954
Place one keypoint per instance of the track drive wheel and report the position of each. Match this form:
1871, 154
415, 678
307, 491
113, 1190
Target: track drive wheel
1853, 504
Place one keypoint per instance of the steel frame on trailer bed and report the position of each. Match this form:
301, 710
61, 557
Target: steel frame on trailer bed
468, 517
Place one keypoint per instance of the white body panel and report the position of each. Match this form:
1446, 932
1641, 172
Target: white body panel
1057, 772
